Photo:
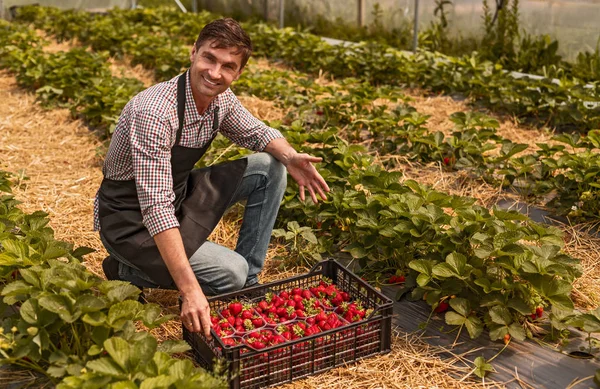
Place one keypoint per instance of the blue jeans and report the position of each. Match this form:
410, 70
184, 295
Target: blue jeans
217, 268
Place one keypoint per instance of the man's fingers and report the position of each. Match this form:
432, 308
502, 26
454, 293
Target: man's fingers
310, 158
302, 192
205, 324
321, 193
313, 196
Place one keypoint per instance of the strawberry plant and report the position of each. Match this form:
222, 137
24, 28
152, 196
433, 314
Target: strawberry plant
302, 244
62, 321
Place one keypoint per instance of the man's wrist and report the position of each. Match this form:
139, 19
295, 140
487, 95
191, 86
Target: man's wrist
288, 156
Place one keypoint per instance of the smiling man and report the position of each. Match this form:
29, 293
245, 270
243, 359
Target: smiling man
155, 211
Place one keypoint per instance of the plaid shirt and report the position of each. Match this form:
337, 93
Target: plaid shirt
140, 148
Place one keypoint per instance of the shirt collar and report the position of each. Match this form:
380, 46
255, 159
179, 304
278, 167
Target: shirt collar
191, 115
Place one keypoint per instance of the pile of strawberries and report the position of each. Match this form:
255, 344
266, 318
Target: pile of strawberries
286, 316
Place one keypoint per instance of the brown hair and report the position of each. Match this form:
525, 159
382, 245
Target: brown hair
226, 33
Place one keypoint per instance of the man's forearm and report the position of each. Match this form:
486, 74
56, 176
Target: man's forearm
171, 249
281, 150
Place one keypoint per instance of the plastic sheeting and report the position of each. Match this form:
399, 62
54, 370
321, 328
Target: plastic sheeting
575, 23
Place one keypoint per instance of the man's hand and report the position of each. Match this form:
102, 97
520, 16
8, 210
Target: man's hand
195, 313
300, 167
302, 170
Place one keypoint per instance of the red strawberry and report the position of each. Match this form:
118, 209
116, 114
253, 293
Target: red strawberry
257, 321
442, 307
284, 295
539, 311
225, 313
296, 291
297, 298
533, 316
263, 305
229, 342
235, 308
246, 314
306, 294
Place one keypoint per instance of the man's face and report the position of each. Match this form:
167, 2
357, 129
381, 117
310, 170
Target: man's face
213, 69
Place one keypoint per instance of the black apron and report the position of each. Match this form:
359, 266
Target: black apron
201, 198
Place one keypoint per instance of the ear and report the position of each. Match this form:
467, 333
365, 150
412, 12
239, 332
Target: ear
238, 74
193, 53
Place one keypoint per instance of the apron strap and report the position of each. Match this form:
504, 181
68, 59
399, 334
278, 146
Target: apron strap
181, 82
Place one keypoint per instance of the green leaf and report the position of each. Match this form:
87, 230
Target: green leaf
500, 315
517, 332
424, 266
455, 319
123, 292
358, 252
460, 305
29, 311
474, 326
59, 305
310, 237
482, 367
94, 319
143, 351
89, 303
122, 312
106, 366
174, 346
519, 305
161, 381
120, 352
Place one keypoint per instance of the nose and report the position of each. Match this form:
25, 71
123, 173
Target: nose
214, 72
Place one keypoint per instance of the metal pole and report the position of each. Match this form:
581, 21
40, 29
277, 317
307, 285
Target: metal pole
281, 13
266, 10
416, 27
181, 7
361, 16
195, 6
133, 4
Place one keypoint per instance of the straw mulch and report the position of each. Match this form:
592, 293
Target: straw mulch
58, 160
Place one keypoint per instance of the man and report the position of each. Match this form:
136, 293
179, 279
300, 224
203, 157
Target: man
155, 213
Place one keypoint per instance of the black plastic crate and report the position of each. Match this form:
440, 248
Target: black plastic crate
250, 368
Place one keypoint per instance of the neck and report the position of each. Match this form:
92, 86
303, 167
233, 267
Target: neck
201, 102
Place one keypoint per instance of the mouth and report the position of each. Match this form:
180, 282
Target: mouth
210, 82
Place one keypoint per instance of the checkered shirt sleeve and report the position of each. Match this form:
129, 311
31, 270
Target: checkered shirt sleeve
242, 128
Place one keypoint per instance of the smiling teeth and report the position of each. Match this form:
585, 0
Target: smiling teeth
210, 82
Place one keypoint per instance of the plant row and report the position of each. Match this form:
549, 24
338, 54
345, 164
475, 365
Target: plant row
568, 169
62, 321
511, 263
76, 79
498, 264
569, 104
571, 177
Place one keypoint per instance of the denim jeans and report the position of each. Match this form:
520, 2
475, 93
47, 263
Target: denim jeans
217, 268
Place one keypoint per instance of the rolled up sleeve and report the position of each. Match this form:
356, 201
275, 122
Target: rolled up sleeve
242, 128
150, 139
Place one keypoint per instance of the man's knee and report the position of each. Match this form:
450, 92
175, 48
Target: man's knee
236, 272
275, 170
